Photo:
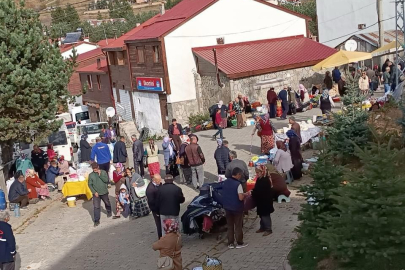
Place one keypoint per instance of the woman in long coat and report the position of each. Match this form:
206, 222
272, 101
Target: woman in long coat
295, 151
266, 133
139, 202
85, 149
263, 194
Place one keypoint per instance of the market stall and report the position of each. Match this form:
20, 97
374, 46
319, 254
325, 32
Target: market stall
77, 183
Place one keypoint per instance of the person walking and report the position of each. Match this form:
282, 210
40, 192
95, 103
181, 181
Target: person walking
224, 114
328, 80
232, 202
170, 197
237, 163
85, 149
272, 101
295, 150
292, 100
283, 95
102, 154
219, 124
18, 192
120, 154
38, 159
175, 130
138, 151
364, 83
342, 86
221, 156
170, 244
98, 184
326, 102
196, 159
152, 158
387, 79
184, 165
7, 243
168, 152
336, 75
152, 194
263, 196
238, 112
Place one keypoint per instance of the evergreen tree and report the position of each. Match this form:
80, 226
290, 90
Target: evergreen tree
351, 124
72, 17
58, 15
369, 231
34, 76
307, 8
120, 9
64, 21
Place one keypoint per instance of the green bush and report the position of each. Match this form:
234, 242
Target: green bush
198, 119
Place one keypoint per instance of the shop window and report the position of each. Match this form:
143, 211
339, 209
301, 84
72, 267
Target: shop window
140, 51
156, 56
89, 82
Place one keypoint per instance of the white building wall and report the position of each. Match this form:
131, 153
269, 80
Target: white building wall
81, 48
339, 19
236, 21
147, 111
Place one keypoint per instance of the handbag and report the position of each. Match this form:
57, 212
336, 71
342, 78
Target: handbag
166, 262
180, 160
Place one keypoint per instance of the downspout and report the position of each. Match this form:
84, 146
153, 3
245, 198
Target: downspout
111, 84
216, 68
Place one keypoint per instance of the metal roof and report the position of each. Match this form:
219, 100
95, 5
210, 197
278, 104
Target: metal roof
250, 58
373, 37
94, 69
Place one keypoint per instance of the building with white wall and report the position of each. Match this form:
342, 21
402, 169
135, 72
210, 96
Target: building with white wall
340, 19
163, 50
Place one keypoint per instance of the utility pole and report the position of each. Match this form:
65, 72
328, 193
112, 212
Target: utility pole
380, 27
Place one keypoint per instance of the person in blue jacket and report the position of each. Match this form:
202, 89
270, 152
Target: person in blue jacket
283, 95
7, 243
102, 154
54, 176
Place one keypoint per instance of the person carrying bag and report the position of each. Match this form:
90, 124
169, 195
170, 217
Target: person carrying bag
169, 246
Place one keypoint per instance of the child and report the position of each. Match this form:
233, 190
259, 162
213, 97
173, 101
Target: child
124, 201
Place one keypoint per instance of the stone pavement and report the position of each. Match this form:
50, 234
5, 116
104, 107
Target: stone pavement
64, 238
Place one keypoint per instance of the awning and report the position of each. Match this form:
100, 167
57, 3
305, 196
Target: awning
386, 48
341, 58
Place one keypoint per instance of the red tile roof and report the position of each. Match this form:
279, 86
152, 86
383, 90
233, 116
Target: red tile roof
265, 56
183, 11
65, 47
103, 43
119, 42
94, 69
90, 54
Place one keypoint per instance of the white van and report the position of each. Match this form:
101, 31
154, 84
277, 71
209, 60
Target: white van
92, 130
61, 143
80, 113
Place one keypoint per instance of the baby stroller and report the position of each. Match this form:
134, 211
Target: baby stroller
205, 213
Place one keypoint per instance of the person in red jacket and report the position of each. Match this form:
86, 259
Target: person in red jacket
266, 133
218, 122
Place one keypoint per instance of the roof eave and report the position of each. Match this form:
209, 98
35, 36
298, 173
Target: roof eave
142, 40
241, 75
115, 49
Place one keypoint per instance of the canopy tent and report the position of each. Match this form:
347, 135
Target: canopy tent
386, 48
341, 58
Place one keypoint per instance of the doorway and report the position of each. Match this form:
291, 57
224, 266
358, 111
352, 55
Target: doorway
164, 111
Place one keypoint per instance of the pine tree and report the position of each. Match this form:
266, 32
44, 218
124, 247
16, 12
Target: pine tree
34, 76
72, 17
120, 9
369, 231
351, 124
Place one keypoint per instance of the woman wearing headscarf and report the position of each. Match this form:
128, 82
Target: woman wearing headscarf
263, 195
328, 80
266, 132
326, 102
170, 244
85, 149
37, 188
342, 86
168, 152
185, 169
303, 92
153, 159
136, 187
50, 152
63, 165
282, 160
119, 179
296, 157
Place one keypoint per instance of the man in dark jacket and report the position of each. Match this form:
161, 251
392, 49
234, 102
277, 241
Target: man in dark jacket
137, 150
237, 163
169, 197
98, 184
175, 130
120, 151
196, 161
283, 95
336, 75
221, 156
38, 159
7, 243
232, 201
152, 195
18, 192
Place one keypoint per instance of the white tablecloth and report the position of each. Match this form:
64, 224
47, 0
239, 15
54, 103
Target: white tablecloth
306, 135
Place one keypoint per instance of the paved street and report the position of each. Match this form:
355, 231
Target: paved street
64, 238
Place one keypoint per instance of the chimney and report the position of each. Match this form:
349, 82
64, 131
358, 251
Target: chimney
314, 38
162, 9
86, 39
138, 24
221, 41
98, 63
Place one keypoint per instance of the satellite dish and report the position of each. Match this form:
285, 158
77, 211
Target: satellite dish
351, 45
110, 111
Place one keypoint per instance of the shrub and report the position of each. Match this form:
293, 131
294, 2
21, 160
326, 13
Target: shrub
198, 119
